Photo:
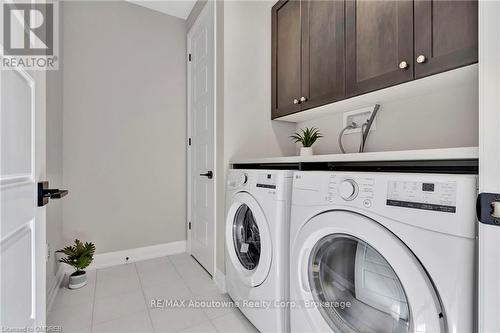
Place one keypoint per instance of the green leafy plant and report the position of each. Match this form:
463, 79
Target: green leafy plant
79, 255
308, 136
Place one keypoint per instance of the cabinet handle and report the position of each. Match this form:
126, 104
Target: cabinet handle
303, 99
296, 101
421, 59
403, 65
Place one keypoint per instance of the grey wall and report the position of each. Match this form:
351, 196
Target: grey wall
54, 166
444, 119
124, 158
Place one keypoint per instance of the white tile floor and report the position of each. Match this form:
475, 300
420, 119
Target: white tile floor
118, 299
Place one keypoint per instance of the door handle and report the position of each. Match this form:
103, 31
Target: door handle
45, 193
209, 174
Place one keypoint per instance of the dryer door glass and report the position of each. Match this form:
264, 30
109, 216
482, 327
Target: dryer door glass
246, 238
355, 288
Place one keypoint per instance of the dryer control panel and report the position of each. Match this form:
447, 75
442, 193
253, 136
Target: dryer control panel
438, 202
437, 196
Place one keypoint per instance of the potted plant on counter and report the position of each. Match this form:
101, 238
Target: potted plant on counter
307, 138
79, 256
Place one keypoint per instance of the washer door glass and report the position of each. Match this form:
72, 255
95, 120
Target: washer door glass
246, 238
355, 288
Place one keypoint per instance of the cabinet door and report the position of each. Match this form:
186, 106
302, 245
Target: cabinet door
445, 35
285, 58
379, 44
323, 58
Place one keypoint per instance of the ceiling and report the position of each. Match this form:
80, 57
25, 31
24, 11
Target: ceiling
175, 8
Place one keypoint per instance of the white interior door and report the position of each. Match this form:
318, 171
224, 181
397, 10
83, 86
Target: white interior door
489, 162
22, 226
201, 129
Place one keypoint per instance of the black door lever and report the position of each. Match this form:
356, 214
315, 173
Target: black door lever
45, 193
209, 174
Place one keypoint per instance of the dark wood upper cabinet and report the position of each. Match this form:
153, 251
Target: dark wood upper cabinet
379, 44
323, 49
326, 51
446, 35
286, 58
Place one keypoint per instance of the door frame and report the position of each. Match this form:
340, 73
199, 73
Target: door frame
209, 6
489, 164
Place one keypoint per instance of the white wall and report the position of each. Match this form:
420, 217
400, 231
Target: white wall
54, 165
248, 129
444, 119
54, 169
124, 159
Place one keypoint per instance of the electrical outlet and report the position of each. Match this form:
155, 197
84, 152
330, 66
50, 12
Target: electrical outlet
359, 117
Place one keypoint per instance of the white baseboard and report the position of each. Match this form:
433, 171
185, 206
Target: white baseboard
109, 259
54, 288
220, 280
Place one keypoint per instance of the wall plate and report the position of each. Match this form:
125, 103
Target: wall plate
359, 116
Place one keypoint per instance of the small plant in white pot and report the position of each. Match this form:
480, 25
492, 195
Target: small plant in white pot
307, 138
79, 256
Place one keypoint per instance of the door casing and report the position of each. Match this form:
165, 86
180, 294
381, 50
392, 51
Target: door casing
489, 164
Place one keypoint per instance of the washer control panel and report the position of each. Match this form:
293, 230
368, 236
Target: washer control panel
436, 196
350, 188
266, 180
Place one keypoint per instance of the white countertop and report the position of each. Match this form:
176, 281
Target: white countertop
465, 153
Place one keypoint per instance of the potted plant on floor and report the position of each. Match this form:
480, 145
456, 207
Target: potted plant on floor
307, 138
79, 256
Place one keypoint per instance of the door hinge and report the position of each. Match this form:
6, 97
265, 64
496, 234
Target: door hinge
488, 208
189, 142
189, 225
189, 57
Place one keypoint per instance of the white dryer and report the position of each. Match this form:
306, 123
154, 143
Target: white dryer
257, 241
382, 252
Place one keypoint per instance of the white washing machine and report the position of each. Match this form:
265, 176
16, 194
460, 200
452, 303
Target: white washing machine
382, 252
257, 240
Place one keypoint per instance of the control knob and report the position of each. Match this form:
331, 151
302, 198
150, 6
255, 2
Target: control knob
348, 190
243, 179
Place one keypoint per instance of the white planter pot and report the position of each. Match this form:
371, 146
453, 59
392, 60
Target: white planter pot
306, 151
77, 281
